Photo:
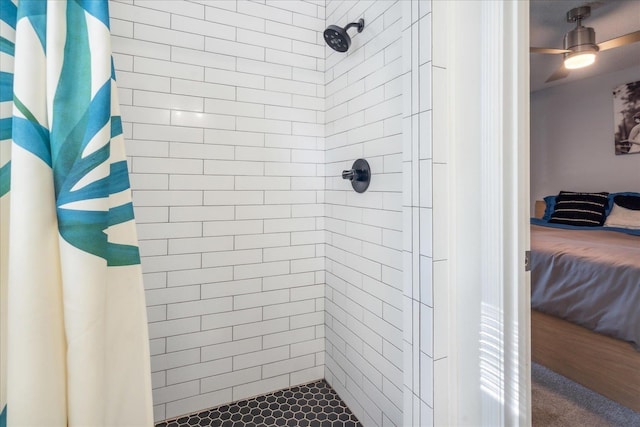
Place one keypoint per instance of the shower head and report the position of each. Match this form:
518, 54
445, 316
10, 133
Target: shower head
338, 39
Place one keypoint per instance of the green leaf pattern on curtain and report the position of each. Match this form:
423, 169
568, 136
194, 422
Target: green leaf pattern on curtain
77, 117
8, 16
75, 298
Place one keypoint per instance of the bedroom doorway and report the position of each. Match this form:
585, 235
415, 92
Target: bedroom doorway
573, 340
489, 179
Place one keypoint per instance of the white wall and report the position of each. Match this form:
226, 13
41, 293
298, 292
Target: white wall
224, 109
223, 113
572, 138
364, 231
425, 201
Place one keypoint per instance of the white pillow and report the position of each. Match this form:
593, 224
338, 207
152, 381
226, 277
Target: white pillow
623, 217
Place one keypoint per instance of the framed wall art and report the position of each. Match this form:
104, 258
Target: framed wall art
626, 118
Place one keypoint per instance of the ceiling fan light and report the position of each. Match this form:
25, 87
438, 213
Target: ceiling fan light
579, 60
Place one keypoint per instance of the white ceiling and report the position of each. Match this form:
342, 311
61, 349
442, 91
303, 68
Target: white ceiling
609, 19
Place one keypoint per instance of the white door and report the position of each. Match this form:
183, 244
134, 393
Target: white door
489, 128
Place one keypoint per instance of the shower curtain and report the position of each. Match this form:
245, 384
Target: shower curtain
73, 331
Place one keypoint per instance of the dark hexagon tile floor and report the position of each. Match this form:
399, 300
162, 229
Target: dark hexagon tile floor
313, 405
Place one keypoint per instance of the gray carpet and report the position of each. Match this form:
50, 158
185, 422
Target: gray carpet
559, 402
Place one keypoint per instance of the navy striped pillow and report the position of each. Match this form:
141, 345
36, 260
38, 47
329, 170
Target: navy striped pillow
583, 209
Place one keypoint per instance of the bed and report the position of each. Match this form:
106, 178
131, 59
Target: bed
585, 297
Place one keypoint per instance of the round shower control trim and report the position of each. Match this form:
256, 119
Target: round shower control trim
359, 175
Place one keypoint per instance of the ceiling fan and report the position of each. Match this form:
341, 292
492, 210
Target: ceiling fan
580, 48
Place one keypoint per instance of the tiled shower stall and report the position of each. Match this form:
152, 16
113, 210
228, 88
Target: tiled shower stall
263, 269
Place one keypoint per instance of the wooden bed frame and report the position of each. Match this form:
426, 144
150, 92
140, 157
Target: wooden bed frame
603, 364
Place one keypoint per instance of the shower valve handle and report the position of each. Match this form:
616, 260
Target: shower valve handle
355, 175
359, 175
348, 174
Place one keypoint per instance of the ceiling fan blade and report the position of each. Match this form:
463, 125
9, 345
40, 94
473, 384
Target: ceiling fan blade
560, 73
547, 50
594, 4
620, 41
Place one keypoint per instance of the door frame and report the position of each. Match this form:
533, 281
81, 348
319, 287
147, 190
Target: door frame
488, 48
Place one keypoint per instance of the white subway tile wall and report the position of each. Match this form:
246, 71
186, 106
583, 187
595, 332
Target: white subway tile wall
223, 107
425, 200
364, 321
239, 121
